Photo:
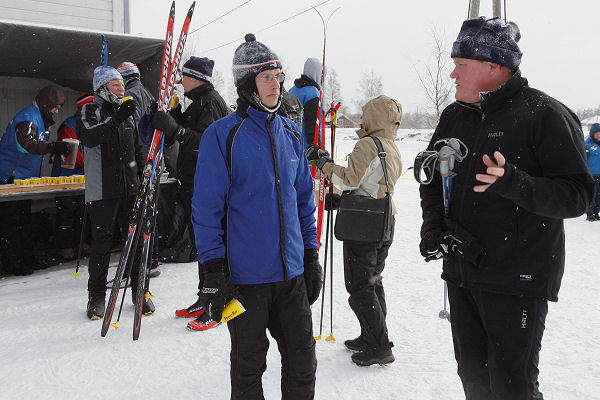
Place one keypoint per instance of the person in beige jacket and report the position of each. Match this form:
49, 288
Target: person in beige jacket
364, 262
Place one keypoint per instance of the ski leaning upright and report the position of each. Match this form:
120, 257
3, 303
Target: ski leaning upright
144, 209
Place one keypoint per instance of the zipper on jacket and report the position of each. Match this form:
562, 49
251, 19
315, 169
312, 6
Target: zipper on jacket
279, 198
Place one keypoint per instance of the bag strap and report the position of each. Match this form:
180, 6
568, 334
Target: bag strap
382, 154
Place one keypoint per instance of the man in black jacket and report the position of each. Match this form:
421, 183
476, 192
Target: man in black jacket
108, 133
187, 128
503, 240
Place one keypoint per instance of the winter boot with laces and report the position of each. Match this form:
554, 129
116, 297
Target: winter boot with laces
95, 308
357, 344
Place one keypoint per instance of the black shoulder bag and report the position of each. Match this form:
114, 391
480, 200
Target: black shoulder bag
363, 218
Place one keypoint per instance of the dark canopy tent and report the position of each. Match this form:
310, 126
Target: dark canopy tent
68, 57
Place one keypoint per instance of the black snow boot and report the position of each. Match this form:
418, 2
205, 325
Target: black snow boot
369, 357
148, 306
95, 307
357, 344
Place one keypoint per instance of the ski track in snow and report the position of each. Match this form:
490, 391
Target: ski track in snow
49, 350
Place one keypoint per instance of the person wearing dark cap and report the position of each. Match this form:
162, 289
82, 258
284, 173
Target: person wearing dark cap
108, 133
22, 150
187, 128
306, 89
253, 216
69, 209
503, 239
592, 145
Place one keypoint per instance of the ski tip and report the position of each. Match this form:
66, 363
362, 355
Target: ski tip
330, 338
76, 275
173, 7
318, 337
191, 11
115, 325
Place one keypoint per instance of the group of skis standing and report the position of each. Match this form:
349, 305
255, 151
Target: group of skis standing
244, 180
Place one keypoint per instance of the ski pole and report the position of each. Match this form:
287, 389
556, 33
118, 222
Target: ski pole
329, 228
76, 273
324, 280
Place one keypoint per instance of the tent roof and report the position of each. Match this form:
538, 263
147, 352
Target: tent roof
68, 57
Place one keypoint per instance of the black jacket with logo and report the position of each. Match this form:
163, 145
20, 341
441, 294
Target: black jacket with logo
519, 219
109, 151
207, 107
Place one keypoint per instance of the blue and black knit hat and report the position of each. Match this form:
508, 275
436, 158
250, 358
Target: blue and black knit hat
251, 58
104, 74
490, 40
594, 129
198, 68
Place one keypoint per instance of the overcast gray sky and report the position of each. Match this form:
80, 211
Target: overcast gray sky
559, 39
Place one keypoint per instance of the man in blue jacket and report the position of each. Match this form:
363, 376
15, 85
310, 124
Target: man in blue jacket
306, 89
22, 150
253, 216
592, 147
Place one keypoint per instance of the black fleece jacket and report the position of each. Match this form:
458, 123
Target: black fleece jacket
519, 219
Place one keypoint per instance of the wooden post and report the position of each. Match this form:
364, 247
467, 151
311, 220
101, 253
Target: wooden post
497, 9
474, 9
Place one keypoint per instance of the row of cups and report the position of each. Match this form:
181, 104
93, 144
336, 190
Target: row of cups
45, 180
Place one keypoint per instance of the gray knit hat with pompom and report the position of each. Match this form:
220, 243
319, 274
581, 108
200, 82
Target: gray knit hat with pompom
251, 58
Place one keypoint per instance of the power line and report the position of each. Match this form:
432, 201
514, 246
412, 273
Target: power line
269, 27
218, 18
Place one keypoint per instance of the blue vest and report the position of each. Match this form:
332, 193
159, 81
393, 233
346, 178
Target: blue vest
14, 158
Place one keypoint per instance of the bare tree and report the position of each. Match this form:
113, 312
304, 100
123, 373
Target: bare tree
333, 91
370, 86
435, 78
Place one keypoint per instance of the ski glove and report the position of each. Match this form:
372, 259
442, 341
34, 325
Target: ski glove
59, 148
332, 201
217, 290
461, 243
126, 110
430, 245
313, 274
167, 124
317, 156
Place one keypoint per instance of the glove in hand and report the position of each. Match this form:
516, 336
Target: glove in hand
430, 245
217, 290
313, 275
126, 110
60, 148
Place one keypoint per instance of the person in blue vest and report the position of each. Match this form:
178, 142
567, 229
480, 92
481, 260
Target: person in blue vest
592, 145
22, 149
253, 216
306, 89
70, 209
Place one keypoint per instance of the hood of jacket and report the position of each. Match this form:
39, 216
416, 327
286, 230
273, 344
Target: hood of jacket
381, 118
306, 81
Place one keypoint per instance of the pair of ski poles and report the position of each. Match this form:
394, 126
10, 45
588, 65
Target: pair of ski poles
445, 154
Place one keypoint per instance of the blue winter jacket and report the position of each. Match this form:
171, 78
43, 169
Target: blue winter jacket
593, 156
13, 157
253, 197
305, 94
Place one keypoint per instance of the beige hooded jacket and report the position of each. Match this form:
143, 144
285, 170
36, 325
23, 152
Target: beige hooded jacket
364, 174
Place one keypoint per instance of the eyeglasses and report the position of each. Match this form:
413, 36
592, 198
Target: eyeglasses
268, 78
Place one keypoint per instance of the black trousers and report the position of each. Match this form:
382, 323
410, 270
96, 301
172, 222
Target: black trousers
283, 309
497, 340
16, 240
69, 219
595, 203
363, 265
103, 216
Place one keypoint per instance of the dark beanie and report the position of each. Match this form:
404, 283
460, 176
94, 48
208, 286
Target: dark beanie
198, 68
251, 58
49, 97
490, 40
595, 128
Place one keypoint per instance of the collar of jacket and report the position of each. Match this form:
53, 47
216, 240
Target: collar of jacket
492, 101
199, 91
306, 81
256, 114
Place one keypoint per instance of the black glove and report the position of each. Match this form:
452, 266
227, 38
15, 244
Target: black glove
167, 124
318, 156
430, 245
332, 201
126, 110
461, 243
217, 290
60, 148
313, 274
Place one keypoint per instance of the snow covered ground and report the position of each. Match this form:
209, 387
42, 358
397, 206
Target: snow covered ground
49, 350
